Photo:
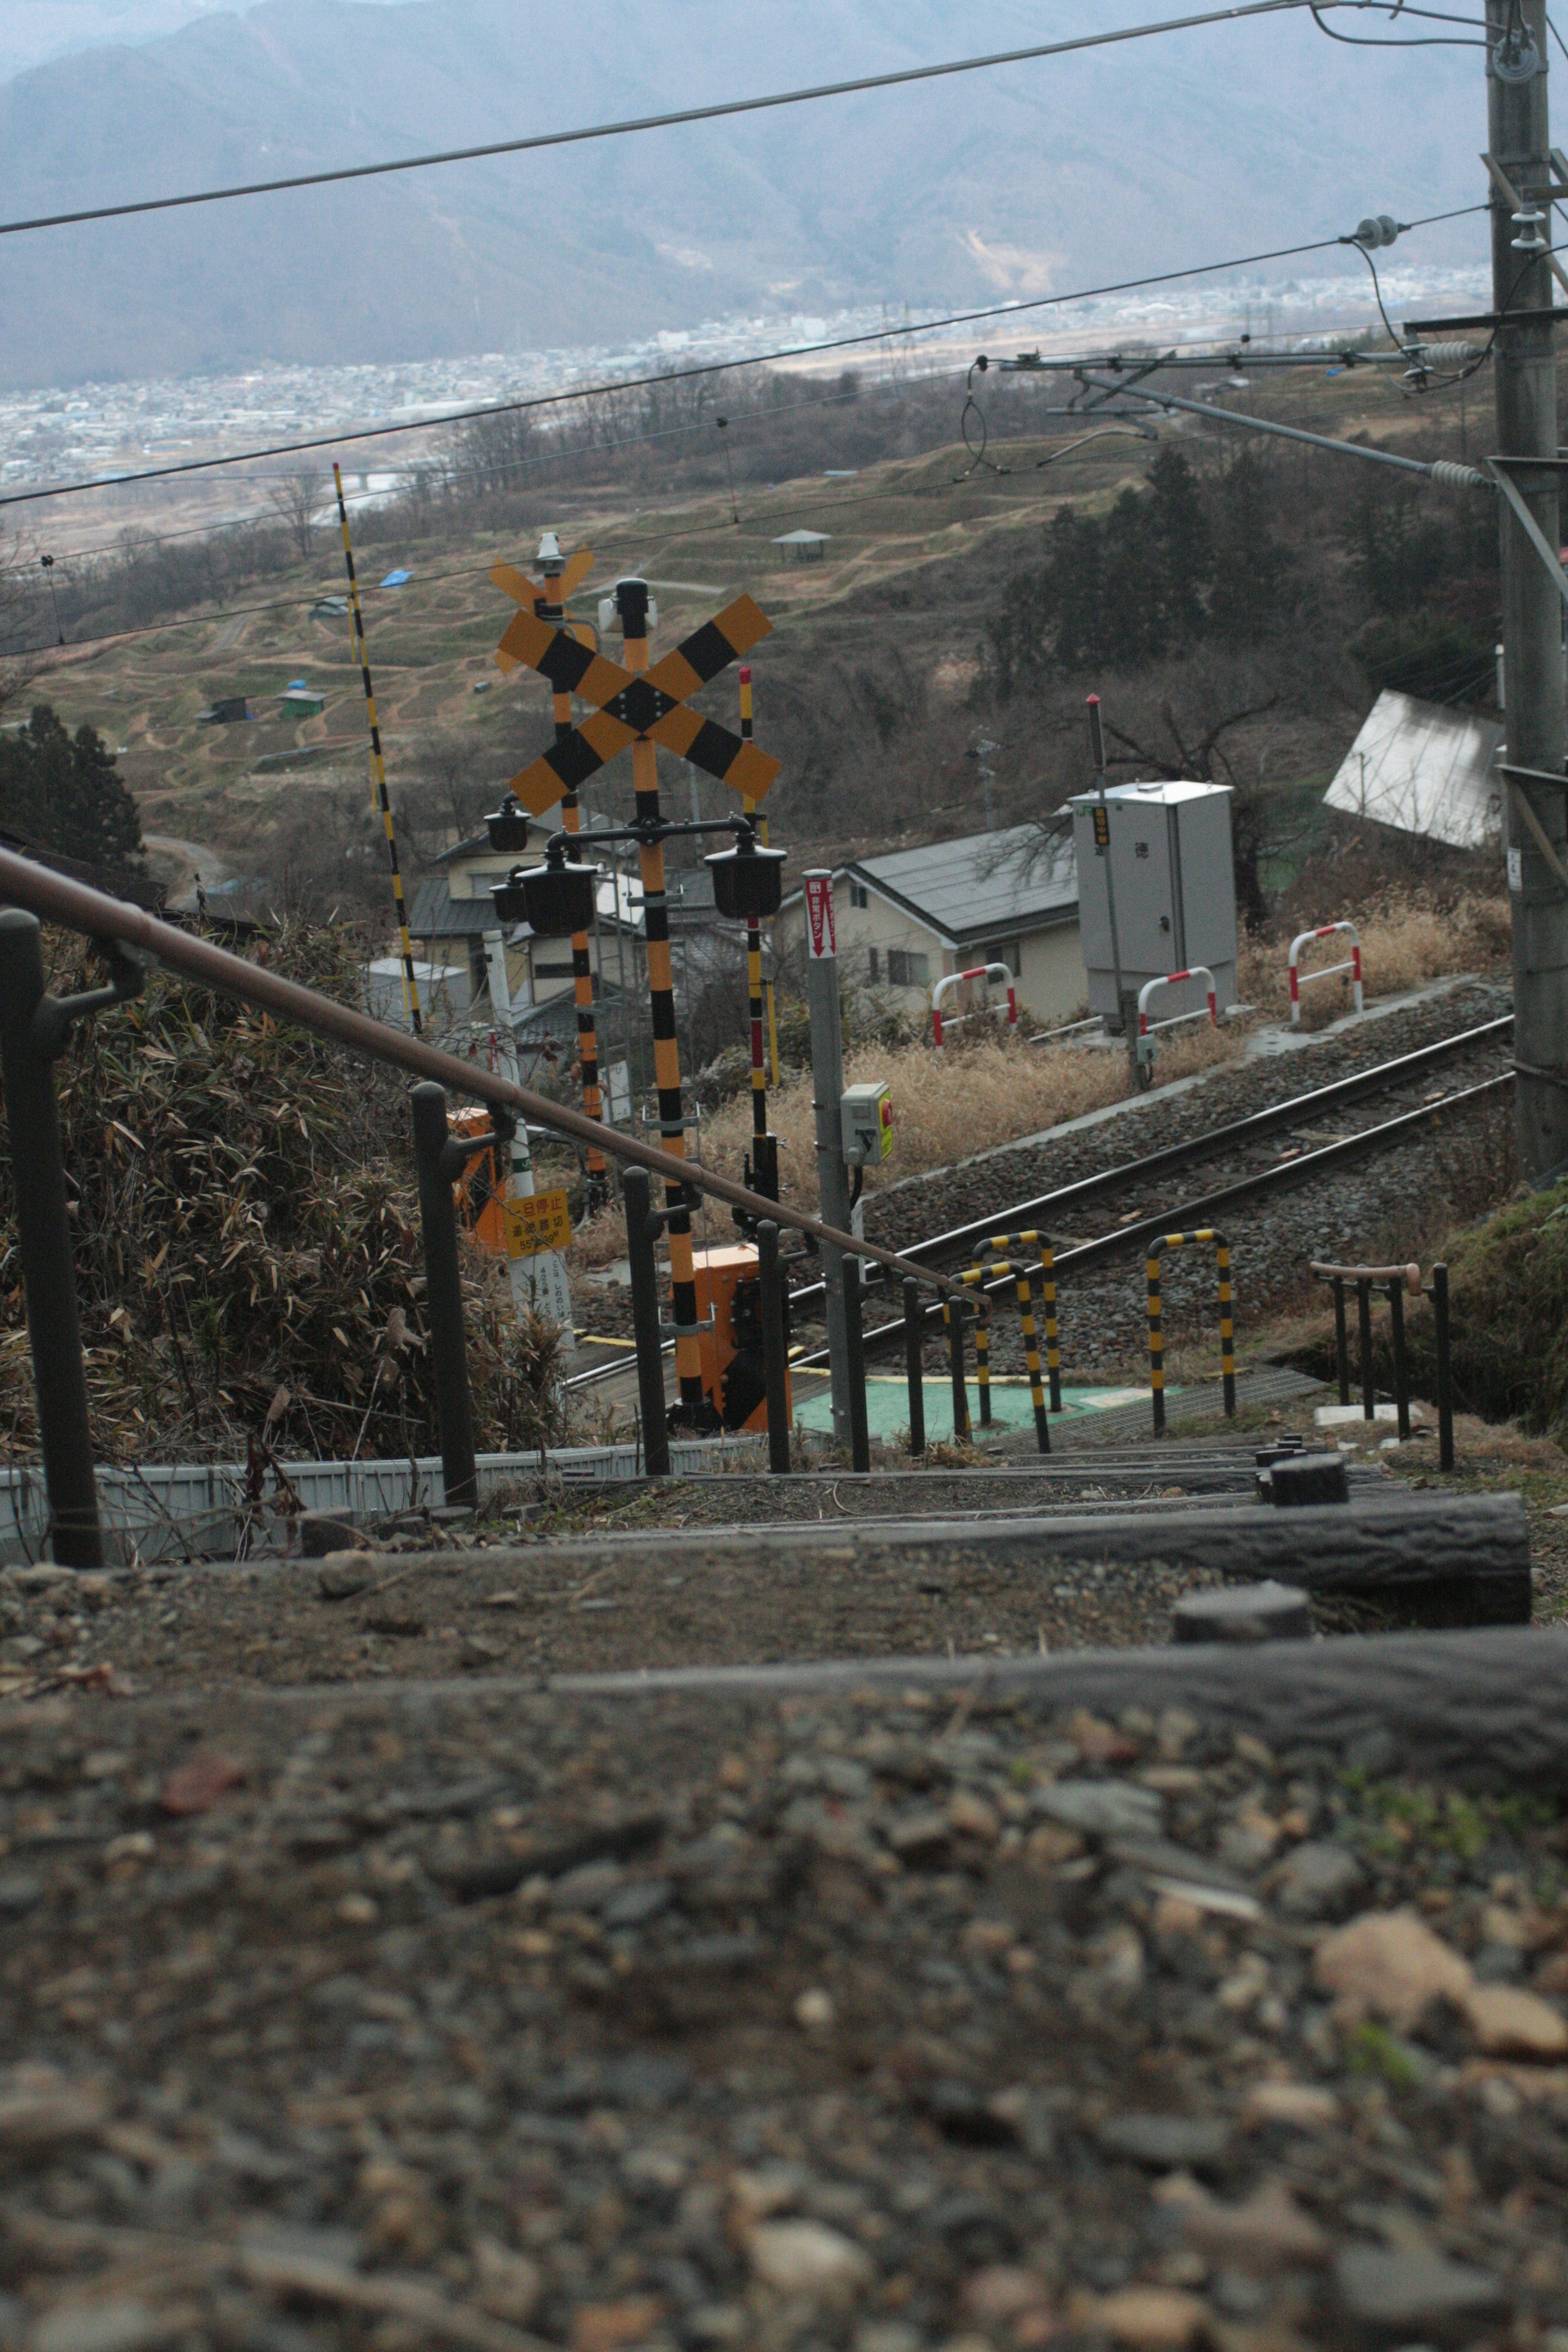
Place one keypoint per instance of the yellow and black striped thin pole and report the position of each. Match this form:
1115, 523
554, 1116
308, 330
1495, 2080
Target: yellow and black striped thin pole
1227, 1327
696, 1413
753, 949
982, 1357
582, 962
762, 1169
1157, 1345
378, 765
1031, 1356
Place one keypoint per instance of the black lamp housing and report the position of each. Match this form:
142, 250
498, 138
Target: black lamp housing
554, 900
748, 882
508, 826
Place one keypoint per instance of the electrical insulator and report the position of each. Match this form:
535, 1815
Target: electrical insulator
1372, 232
1532, 228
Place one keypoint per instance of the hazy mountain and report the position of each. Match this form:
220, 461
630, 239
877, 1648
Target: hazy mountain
1011, 182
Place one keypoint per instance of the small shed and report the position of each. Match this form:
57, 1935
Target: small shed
804, 546
225, 711
330, 608
300, 701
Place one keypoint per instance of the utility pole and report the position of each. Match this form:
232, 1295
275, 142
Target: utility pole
1525, 375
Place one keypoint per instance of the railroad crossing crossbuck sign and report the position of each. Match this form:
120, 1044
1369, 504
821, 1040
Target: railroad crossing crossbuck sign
628, 704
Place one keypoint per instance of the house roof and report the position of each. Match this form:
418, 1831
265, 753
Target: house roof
435, 914
803, 539
980, 885
1424, 769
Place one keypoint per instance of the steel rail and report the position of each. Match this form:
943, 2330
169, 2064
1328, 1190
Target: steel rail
1041, 1211
1296, 1112
1285, 1176
56, 898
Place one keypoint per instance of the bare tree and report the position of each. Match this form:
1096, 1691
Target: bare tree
294, 498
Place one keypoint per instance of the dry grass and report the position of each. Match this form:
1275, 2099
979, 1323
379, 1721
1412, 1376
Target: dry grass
946, 1107
1406, 939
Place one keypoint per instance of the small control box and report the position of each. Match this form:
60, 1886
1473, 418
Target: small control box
866, 1120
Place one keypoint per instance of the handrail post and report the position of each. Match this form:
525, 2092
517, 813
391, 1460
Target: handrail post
982, 1357
1368, 1393
44, 1238
776, 1347
953, 1316
444, 1298
1401, 1377
914, 1359
854, 1333
636, 1191
1341, 1339
1445, 1381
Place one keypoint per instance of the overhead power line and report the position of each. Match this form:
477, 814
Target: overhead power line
721, 111
704, 368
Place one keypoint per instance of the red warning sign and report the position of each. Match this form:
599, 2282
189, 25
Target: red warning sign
822, 938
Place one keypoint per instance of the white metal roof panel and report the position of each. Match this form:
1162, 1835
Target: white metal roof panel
1425, 770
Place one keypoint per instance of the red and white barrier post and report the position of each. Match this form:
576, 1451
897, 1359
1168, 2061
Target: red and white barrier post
1301, 980
1147, 1028
955, 979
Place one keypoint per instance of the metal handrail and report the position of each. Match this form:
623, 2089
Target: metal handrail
55, 898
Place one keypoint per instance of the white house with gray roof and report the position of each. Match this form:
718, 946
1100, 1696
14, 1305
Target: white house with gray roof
905, 919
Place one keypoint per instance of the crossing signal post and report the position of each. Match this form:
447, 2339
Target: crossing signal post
378, 766
639, 708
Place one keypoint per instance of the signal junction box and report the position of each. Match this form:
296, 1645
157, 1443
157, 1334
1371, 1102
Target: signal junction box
1174, 873
865, 1122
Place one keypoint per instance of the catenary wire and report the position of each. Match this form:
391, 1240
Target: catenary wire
883, 334
1420, 41
684, 115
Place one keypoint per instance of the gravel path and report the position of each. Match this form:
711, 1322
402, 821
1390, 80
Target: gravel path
410, 2019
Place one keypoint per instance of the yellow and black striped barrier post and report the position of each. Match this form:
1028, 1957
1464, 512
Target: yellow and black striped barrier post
632, 599
1023, 1277
598, 1188
1047, 1271
1227, 1322
378, 765
763, 1167
982, 1357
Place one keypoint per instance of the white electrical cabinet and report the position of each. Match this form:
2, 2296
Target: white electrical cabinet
1174, 874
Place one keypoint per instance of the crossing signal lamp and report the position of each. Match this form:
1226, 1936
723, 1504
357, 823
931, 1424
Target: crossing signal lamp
554, 900
748, 882
508, 826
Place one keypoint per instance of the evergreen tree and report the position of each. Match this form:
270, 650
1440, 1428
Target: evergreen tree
65, 794
1074, 587
1133, 630
1251, 572
1183, 542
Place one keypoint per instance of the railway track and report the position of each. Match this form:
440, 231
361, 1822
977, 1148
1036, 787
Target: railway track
1237, 1139
1285, 1175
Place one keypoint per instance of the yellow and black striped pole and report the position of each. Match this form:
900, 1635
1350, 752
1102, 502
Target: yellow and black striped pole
631, 597
1226, 1320
1227, 1327
982, 1357
763, 1167
378, 765
598, 1189
1157, 1342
